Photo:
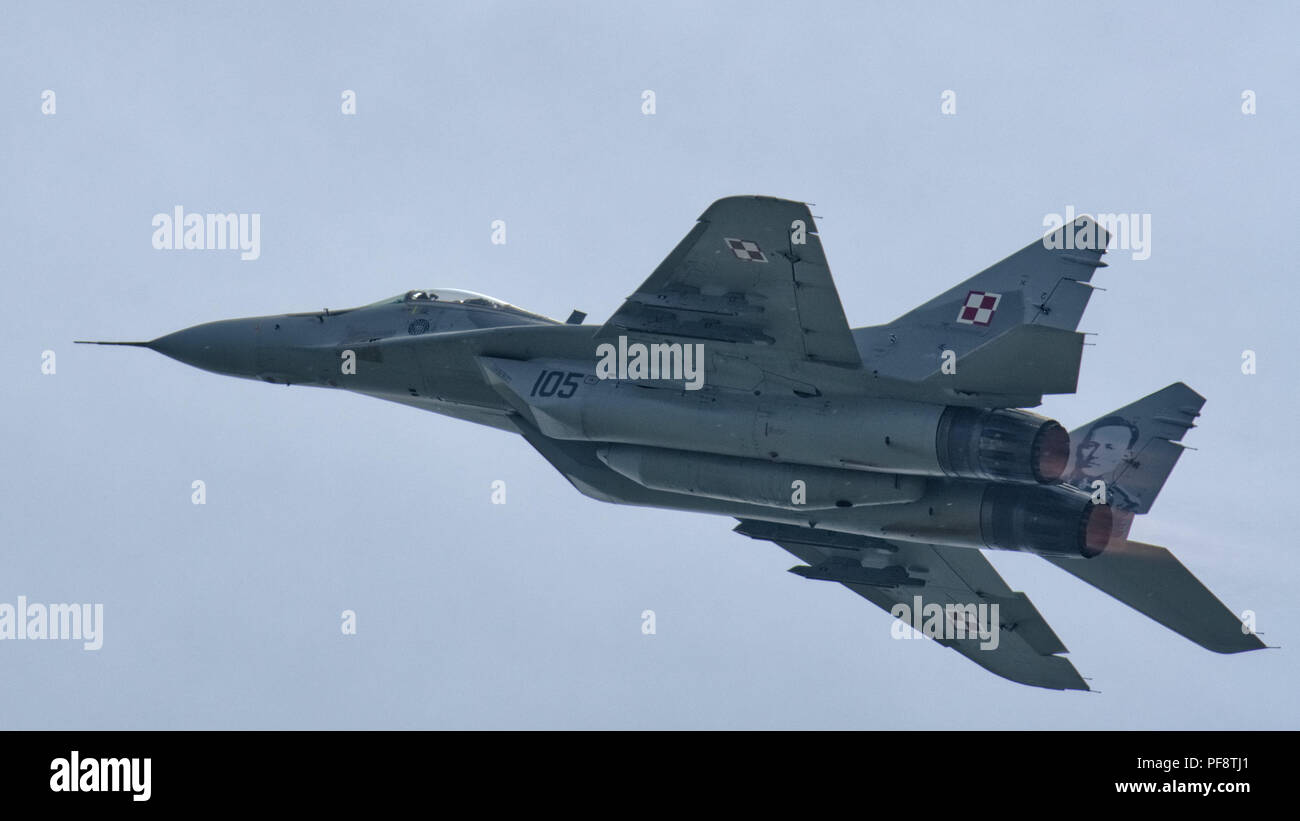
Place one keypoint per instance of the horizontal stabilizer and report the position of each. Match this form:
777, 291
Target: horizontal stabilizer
1022, 364
1151, 581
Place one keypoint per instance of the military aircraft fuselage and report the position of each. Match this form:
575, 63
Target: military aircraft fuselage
730, 382
884, 465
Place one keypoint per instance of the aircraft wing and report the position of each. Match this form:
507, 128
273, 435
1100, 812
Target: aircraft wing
751, 275
1026, 650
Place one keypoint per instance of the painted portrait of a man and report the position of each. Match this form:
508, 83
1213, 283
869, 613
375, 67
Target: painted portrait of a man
1100, 454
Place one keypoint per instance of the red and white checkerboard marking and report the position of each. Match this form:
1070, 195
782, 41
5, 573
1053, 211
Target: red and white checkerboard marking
979, 308
745, 249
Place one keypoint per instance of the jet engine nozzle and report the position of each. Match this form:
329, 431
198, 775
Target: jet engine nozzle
1006, 445
1049, 521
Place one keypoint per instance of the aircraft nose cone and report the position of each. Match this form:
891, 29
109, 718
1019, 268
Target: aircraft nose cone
225, 347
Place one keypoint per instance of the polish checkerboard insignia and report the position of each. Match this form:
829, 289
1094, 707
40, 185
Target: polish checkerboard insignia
746, 250
979, 308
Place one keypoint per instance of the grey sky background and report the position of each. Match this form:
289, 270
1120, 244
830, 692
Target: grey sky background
528, 614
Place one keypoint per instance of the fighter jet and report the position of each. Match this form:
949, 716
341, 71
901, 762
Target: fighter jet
885, 458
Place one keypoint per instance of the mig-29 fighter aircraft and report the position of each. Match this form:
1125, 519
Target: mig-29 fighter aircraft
884, 458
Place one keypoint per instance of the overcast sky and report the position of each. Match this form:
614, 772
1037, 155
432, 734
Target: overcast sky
528, 614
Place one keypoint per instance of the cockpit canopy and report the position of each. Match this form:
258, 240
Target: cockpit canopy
446, 295
453, 295
425, 296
